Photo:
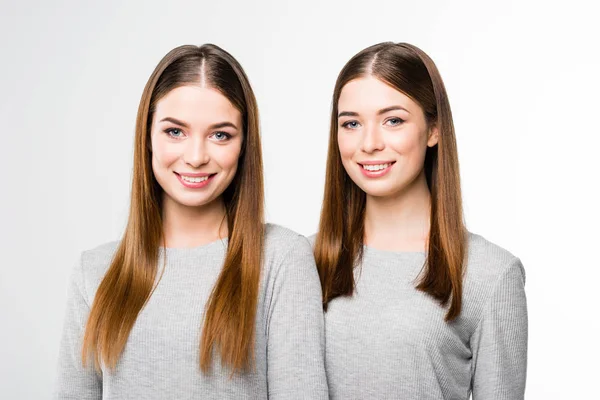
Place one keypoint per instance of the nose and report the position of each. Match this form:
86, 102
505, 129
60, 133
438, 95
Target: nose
195, 153
372, 140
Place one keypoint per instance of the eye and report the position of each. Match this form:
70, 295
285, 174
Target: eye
351, 124
394, 121
174, 132
221, 136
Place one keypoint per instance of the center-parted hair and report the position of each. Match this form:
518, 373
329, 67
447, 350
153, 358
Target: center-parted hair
229, 322
339, 241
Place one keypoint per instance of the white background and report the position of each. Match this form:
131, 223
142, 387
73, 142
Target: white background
523, 81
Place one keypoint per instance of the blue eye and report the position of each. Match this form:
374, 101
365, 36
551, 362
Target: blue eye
221, 136
174, 132
394, 121
351, 124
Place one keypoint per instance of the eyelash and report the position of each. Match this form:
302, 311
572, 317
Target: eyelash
400, 121
227, 136
170, 133
347, 123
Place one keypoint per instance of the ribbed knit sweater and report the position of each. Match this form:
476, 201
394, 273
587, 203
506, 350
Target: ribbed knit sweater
390, 341
161, 358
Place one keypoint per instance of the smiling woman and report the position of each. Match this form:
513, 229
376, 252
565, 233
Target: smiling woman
234, 300
190, 149
399, 128
417, 306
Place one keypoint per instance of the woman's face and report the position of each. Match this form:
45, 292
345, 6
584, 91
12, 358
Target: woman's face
196, 140
382, 136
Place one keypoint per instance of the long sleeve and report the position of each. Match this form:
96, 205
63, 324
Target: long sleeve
296, 344
73, 380
499, 343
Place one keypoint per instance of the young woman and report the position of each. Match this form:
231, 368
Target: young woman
199, 299
416, 306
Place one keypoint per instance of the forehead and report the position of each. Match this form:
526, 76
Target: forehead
369, 94
197, 105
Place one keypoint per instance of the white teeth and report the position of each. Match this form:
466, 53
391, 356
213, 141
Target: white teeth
194, 179
376, 167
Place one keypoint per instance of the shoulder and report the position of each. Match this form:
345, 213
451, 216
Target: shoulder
280, 240
494, 282
286, 249
100, 253
312, 240
93, 265
487, 262
490, 271
290, 281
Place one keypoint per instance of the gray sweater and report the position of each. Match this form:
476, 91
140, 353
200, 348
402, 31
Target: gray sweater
390, 341
161, 358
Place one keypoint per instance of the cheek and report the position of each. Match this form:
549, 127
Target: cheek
227, 156
164, 154
347, 145
407, 143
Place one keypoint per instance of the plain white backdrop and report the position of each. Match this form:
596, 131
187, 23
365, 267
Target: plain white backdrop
523, 82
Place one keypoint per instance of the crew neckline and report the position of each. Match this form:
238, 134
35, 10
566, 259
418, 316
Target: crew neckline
175, 251
376, 251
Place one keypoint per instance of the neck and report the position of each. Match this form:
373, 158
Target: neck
185, 226
399, 222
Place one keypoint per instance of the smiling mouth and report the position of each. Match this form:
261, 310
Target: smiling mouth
376, 167
192, 179
195, 179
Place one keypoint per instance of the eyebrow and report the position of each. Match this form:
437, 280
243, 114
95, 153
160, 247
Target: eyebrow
218, 125
391, 108
347, 114
382, 111
225, 124
175, 121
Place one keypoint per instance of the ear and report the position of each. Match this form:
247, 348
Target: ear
434, 136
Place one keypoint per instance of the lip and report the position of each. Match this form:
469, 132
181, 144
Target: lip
375, 162
193, 174
375, 174
195, 185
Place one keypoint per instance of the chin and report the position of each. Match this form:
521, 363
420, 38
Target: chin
380, 189
197, 203
193, 204
191, 201
379, 193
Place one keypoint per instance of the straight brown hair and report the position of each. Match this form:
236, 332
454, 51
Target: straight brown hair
339, 241
230, 312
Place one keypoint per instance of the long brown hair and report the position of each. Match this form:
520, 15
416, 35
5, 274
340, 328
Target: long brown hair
339, 241
128, 284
